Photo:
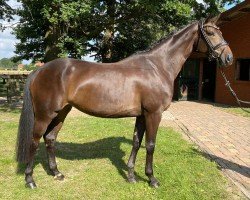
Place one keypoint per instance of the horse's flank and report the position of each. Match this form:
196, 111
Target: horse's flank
142, 82
104, 91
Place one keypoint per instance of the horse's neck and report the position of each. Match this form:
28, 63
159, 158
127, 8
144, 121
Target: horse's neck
175, 51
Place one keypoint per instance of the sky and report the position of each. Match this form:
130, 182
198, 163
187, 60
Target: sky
8, 41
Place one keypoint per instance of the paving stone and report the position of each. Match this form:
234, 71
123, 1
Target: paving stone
223, 135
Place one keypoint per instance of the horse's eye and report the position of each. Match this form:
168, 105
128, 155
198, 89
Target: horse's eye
210, 33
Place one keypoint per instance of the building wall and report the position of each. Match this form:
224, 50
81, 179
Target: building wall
237, 34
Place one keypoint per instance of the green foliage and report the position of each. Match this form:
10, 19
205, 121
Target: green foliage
8, 63
110, 29
237, 111
30, 67
133, 26
212, 7
92, 153
5, 12
47, 30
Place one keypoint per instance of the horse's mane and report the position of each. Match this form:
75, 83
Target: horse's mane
164, 38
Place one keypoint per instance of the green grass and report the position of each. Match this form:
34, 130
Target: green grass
92, 153
238, 111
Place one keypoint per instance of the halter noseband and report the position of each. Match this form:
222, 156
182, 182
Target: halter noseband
212, 54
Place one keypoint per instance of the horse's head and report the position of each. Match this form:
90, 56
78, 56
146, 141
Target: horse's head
211, 41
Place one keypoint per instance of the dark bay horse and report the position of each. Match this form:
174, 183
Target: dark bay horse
139, 86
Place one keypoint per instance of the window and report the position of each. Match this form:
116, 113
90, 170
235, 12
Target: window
243, 70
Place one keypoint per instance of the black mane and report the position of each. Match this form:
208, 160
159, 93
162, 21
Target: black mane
163, 39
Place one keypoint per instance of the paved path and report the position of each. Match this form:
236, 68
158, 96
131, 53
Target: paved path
223, 136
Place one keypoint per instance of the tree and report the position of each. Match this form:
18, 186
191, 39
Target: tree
129, 26
5, 12
211, 7
112, 29
30, 67
8, 63
47, 31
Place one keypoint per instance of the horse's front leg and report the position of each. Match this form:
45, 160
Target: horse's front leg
152, 124
50, 140
137, 139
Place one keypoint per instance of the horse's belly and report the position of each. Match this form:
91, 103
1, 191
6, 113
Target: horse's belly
109, 110
106, 103
132, 112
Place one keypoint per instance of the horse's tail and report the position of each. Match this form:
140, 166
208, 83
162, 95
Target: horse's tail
26, 125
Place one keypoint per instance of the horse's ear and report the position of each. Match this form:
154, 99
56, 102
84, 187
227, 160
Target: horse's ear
212, 19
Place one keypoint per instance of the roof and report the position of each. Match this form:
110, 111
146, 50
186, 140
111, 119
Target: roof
235, 12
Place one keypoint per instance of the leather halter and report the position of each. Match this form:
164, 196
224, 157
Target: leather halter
212, 54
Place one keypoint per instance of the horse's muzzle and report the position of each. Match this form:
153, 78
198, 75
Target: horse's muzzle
226, 61
229, 59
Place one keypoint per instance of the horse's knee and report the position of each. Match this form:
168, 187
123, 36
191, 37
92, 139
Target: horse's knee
49, 139
150, 146
50, 145
136, 144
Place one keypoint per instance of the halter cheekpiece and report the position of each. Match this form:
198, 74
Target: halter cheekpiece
212, 54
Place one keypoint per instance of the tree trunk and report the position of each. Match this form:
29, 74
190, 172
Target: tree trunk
51, 41
109, 32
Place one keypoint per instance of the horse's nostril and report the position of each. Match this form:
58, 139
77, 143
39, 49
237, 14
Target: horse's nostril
229, 58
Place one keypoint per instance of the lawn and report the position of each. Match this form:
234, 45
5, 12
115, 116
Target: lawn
238, 111
92, 153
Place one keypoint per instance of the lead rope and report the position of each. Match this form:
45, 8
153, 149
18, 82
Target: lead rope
227, 84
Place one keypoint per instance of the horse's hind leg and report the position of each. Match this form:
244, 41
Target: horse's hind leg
137, 139
39, 129
29, 168
50, 139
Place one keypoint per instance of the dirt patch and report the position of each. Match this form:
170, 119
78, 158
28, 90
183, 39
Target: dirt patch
76, 113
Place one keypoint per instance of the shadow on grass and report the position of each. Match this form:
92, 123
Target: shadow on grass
103, 148
226, 164
110, 148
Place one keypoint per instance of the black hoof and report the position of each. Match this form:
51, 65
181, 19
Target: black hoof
59, 177
132, 180
31, 185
